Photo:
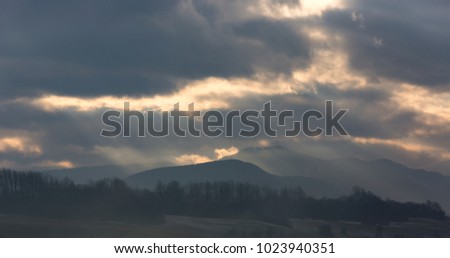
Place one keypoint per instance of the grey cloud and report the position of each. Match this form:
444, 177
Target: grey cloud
280, 37
75, 136
372, 113
414, 36
129, 48
87, 48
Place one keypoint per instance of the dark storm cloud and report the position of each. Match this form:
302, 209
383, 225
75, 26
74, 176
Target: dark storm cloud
407, 41
92, 48
372, 113
278, 37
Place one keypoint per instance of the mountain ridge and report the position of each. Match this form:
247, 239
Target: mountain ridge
317, 177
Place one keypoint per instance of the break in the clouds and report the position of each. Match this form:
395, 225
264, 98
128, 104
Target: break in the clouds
63, 63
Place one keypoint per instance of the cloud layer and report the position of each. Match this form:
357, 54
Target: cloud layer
64, 62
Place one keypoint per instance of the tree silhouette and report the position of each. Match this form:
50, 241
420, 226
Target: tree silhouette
30, 193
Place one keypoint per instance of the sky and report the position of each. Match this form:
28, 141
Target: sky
63, 63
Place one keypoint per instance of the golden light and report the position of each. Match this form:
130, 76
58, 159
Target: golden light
209, 93
19, 144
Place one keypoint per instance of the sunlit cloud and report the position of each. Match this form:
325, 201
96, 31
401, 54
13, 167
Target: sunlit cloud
192, 158
434, 106
264, 143
49, 164
209, 93
403, 144
330, 67
294, 9
19, 144
186, 159
222, 153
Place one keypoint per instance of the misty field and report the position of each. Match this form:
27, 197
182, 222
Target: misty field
180, 226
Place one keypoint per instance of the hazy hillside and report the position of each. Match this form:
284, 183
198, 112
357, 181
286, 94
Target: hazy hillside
384, 177
231, 170
280, 167
35, 194
223, 170
441, 167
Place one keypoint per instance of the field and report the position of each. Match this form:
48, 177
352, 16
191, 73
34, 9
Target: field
177, 226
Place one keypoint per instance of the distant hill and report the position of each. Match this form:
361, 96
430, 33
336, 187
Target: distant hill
223, 170
280, 167
84, 175
383, 177
441, 167
230, 170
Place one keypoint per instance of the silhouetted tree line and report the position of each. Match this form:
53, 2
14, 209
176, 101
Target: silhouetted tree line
30, 193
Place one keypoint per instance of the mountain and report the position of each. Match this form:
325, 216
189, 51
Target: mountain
223, 170
281, 161
441, 167
280, 167
228, 170
384, 177
84, 175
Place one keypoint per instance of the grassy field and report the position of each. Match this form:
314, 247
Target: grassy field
177, 226
412, 228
